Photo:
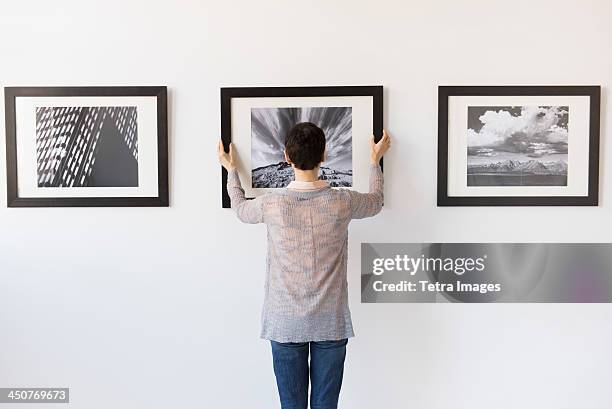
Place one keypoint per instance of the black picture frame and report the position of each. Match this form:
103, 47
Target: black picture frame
228, 93
592, 91
159, 92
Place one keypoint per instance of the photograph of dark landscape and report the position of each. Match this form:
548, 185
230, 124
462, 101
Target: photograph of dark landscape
269, 127
517, 145
87, 146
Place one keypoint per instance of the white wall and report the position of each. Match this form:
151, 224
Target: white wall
157, 308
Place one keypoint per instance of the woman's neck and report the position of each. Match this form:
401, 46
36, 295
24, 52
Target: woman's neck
306, 175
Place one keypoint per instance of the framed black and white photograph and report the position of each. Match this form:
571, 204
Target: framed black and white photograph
258, 119
518, 145
86, 146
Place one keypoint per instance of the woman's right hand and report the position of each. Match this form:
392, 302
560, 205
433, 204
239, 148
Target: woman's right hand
378, 149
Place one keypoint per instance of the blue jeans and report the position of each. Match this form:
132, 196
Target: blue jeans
290, 361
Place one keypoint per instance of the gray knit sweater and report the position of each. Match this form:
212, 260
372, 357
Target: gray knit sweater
306, 297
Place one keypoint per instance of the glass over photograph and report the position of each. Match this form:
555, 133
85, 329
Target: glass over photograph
270, 126
517, 145
87, 146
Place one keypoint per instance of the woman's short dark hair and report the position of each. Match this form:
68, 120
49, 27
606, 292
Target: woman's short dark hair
305, 145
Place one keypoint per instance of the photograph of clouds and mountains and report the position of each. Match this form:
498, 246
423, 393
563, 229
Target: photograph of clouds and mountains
517, 145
